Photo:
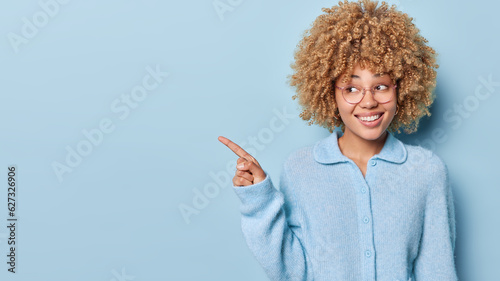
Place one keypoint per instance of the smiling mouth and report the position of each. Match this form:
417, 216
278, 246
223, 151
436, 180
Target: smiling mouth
370, 118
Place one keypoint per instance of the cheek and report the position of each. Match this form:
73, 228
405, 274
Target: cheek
345, 111
391, 110
342, 106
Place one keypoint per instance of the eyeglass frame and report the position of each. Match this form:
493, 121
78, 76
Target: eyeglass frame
364, 92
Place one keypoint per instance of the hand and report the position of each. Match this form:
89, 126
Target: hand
250, 172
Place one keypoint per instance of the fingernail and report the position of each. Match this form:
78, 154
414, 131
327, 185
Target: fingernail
240, 166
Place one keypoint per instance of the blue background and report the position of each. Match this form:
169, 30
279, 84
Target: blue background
116, 215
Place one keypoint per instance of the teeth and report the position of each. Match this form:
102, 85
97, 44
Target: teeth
369, 118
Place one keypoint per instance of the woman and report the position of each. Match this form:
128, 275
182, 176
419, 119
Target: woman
359, 204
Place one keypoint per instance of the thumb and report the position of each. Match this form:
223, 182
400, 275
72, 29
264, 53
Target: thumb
254, 169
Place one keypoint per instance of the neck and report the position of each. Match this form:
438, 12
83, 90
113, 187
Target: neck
357, 148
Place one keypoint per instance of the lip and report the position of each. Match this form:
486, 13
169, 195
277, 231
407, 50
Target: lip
370, 124
368, 114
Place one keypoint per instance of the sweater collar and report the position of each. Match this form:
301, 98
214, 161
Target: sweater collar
327, 151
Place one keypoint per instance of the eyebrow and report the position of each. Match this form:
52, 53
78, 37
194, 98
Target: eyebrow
374, 75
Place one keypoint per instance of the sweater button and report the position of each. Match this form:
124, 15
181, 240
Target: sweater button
368, 253
366, 219
363, 190
373, 162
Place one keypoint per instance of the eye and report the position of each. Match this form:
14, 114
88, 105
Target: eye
381, 87
351, 89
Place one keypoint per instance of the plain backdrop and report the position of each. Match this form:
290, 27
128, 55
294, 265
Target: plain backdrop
105, 166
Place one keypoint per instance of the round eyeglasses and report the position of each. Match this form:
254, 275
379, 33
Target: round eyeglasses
382, 93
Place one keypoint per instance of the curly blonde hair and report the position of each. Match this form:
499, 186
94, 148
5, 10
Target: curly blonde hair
378, 37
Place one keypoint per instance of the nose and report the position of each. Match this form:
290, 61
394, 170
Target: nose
368, 101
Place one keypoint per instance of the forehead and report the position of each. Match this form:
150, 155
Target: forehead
359, 70
365, 71
368, 76
376, 75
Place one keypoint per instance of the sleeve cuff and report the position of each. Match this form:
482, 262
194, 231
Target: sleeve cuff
255, 195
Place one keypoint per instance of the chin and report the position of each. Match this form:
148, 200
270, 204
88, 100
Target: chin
370, 134
374, 135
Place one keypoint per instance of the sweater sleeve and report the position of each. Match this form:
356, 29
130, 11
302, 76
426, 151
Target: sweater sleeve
272, 231
435, 260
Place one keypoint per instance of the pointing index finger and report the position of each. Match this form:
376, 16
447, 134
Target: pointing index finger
236, 149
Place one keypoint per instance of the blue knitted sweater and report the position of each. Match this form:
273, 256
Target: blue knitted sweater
328, 222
